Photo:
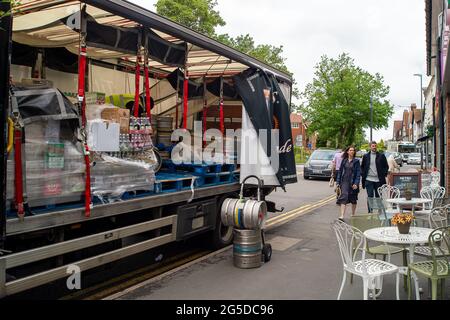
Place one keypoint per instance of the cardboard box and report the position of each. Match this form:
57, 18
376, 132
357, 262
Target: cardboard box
118, 115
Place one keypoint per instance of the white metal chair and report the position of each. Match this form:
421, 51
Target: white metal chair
438, 218
351, 241
436, 195
435, 179
389, 192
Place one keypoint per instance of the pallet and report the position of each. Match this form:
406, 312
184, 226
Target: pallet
167, 182
214, 179
198, 169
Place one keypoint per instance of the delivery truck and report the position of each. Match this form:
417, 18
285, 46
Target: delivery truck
97, 97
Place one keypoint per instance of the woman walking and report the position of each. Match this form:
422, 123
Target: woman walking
348, 178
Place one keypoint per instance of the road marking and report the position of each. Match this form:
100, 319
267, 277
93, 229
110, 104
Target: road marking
298, 212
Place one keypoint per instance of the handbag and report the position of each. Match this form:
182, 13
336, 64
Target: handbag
331, 183
338, 192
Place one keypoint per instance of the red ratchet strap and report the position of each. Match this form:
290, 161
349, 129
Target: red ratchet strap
185, 104
18, 172
136, 92
81, 95
147, 92
81, 83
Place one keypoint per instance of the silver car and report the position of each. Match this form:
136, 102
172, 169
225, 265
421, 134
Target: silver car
414, 158
319, 165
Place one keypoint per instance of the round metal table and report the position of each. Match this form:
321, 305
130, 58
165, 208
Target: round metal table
401, 202
390, 235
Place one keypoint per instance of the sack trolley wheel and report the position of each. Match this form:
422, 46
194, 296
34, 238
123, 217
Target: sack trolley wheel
266, 252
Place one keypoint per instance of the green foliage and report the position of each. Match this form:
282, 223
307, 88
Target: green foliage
337, 103
381, 146
301, 155
198, 15
430, 131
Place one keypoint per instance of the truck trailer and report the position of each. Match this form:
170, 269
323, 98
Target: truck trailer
84, 86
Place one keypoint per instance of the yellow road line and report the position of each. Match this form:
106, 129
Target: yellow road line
302, 208
298, 212
289, 213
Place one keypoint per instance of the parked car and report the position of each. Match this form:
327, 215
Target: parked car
414, 158
319, 164
397, 157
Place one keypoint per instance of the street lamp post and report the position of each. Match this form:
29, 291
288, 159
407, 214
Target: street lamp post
421, 111
371, 119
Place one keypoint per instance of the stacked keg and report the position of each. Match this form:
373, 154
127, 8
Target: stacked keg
248, 218
247, 246
164, 129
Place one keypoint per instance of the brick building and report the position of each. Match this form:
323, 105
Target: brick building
410, 127
437, 96
299, 127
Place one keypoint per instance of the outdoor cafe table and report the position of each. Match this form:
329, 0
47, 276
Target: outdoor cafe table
402, 202
390, 235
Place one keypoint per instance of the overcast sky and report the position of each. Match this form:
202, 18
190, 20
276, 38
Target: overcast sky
382, 36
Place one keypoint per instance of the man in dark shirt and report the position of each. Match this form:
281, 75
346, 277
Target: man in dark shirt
374, 169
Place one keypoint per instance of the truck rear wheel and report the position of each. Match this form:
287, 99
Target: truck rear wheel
222, 236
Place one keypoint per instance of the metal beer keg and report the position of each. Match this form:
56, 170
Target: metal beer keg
247, 248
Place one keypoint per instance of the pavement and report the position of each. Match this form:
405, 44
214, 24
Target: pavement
305, 264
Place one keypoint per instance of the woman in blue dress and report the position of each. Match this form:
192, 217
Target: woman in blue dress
348, 180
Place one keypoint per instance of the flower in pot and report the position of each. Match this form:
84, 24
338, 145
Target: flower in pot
402, 221
408, 194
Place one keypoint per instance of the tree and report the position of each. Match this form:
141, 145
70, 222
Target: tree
338, 100
201, 16
198, 15
269, 54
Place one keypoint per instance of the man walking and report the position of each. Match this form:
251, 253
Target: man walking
374, 169
336, 163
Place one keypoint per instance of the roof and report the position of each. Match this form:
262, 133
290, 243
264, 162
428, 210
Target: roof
296, 117
39, 22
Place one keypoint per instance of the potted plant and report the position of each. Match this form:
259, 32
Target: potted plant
402, 221
408, 194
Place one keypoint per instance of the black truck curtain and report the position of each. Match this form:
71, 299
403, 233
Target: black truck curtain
229, 92
250, 86
126, 40
195, 90
111, 38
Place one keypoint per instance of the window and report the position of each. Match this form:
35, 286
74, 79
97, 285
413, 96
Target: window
295, 125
